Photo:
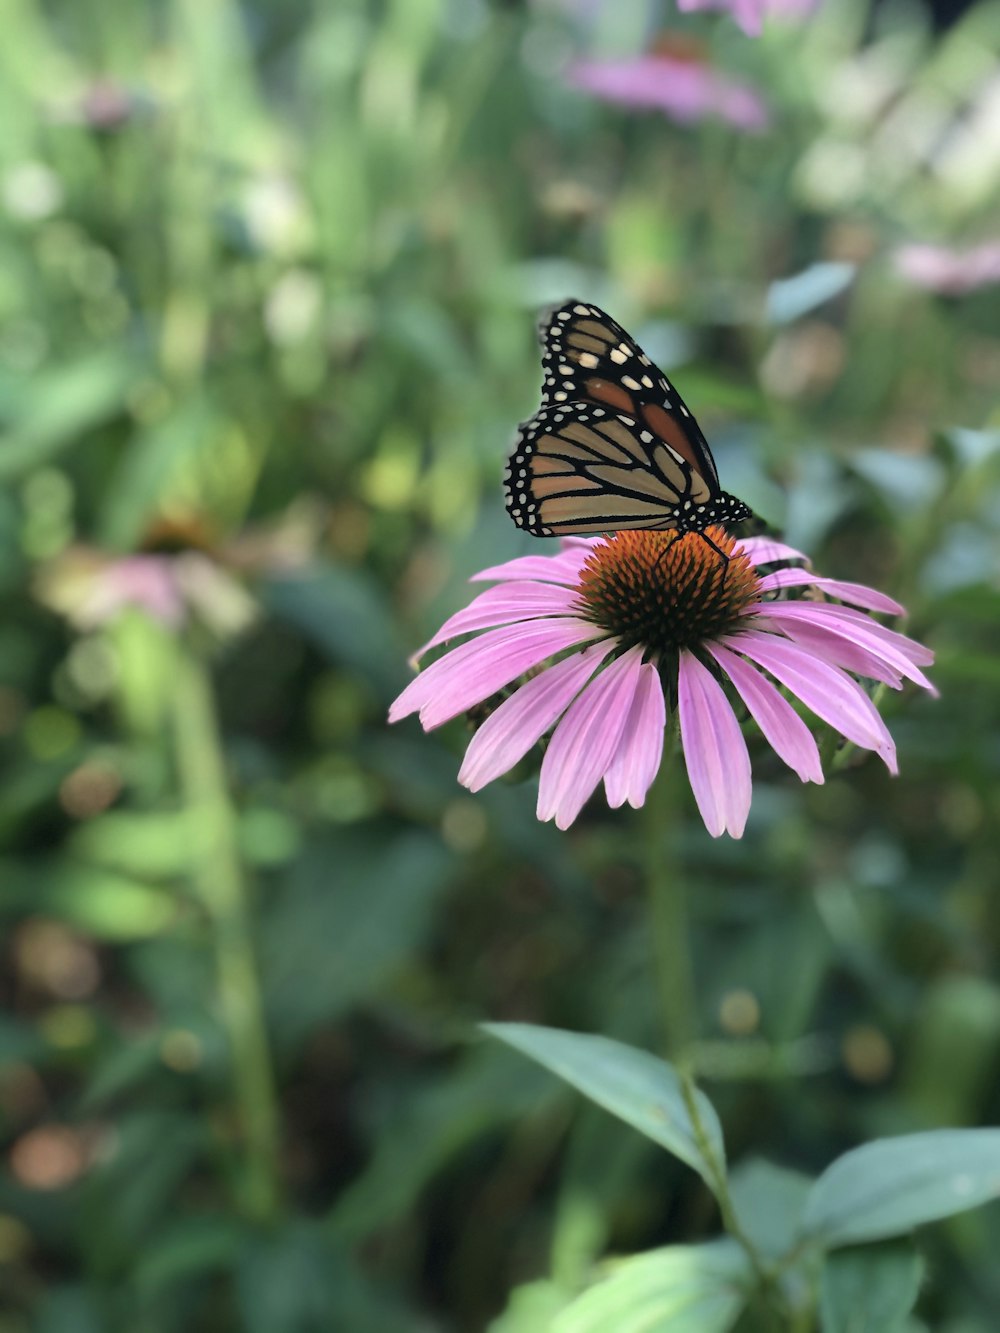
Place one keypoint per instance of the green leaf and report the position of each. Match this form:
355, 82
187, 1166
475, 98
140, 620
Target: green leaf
888, 1187
356, 911
768, 1200
61, 404
679, 1289
531, 1308
344, 613
789, 299
430, 1128
296, 1280
870, 1289
635, 1086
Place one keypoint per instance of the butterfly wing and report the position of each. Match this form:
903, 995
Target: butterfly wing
613, 445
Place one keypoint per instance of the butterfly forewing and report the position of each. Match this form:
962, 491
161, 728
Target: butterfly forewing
613, 445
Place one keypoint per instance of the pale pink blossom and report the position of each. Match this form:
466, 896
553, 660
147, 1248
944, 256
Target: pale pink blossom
937, 268
750, 14
685, 90
604, 675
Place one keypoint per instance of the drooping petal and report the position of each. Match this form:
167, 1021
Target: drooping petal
563, 567
584, 742
767, 551
855, 593
828, 691
784, 730
918, 653
841, 653
637, 759
475, 670
812, 624
505, 605
519, 723
715, 752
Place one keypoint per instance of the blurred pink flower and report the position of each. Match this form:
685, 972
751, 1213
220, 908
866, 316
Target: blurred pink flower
91, 588
686, 90
937, 268
750, 14
609, 632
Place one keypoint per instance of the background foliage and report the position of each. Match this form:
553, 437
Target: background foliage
268, 284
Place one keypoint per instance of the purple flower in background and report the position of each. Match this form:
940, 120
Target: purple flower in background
750, 14
686, 90
937, 268
611, 634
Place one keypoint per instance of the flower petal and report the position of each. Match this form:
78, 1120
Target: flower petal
508, 734
812, 625
767, 551
782, 727
637, 759
715, 752
473, 671
823, 687
855, 593
584, 742
563, 567
509, 603
918, 653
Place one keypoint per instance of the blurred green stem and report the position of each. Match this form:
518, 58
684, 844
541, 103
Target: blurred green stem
668, 912
223, 891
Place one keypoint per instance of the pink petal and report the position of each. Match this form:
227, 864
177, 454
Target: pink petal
563, 568
766, 551
782, 727
841, 653
508, 603
828, 691
811, 623
472, 672
684, 89
856, 593
585, 741
916, 652
519, 723
637, 759
747, 13
715, 752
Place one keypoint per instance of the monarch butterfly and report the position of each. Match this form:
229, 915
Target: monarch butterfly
613, 445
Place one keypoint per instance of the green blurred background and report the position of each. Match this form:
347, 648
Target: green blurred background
268, 287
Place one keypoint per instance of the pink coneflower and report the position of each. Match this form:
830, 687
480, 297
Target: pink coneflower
686, 90
750, 14
937, 268
611, 635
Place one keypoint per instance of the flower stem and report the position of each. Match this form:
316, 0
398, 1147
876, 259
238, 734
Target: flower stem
669, 916
675, 978
223, 890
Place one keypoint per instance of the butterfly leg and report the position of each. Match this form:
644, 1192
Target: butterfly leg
719, 552
677, 533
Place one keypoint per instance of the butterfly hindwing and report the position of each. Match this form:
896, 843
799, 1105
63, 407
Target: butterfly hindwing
577, 468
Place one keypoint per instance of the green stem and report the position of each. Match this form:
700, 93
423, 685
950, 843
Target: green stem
668, 915
671, 940
223, 890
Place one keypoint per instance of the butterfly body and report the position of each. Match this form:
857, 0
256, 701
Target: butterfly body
613, 446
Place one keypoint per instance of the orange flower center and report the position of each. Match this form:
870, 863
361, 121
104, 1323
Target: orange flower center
667, 591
